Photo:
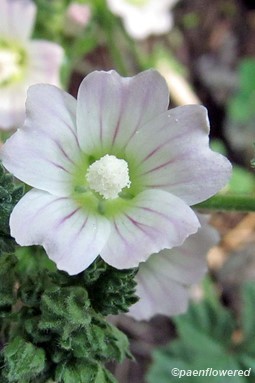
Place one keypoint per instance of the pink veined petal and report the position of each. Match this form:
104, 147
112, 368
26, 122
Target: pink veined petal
111, 108
172, 152
17, 19
72, 237
166, 297
187, 264
45, 59
163, 280
44, 151
155, 220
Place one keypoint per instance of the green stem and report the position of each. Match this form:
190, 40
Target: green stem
228, 203
108, 24
140, 58
115, 52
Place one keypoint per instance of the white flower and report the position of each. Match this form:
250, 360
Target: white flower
156, 163
144, 17
23, 62
163, 281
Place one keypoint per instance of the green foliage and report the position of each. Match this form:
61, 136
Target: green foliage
241, 105
25, 361
10, 193
253, 160
206, 339
80, 372
51, 25
59, 323
51, 20
115, 292
7, 278
242, 181
110, 291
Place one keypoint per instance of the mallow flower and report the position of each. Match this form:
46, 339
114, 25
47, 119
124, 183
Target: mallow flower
113, 173
23, 61
143, 18
164, 280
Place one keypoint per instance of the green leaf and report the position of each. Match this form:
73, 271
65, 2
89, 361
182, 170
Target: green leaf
209, 319
242, 181
248, 362
241, 105
247, 75
82, 372
248, 312
121, 344
206, 354
54, 318
23, 361
115, 291
7, 282
253, 160
204, 341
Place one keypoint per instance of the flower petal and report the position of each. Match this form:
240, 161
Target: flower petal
162, 281
158, 295
111, 108
17, 19
173, 154
140, 25
12, 110
155, 220
72, 237
141, 20
44, 62
44, 151
43, 66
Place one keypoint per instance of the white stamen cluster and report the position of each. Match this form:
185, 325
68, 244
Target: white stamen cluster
108, 176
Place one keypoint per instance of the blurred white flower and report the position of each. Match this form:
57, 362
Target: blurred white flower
23, 61
163, 281
76, 19
142, 18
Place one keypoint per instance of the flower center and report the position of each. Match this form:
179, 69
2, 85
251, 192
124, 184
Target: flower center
11, 63
108, 176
